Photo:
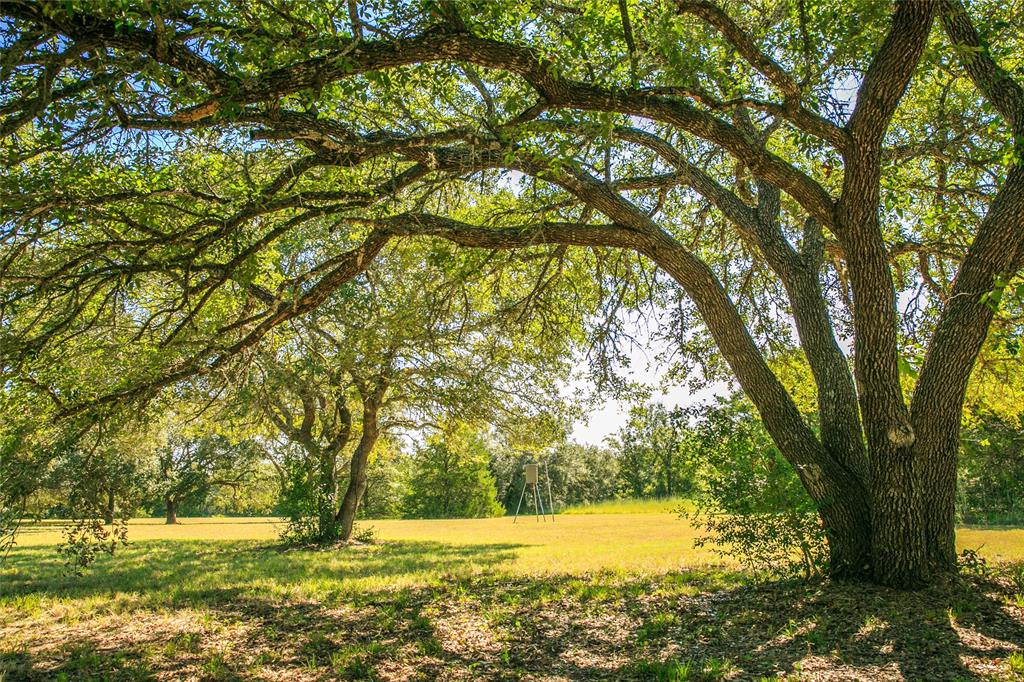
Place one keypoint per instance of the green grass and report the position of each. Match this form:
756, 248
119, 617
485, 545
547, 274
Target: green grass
616, 596
690, 670
666, 505
1016, 663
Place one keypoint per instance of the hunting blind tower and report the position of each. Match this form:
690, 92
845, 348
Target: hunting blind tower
531, 481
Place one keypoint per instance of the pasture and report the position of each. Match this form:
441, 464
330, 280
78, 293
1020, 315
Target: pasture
588, 596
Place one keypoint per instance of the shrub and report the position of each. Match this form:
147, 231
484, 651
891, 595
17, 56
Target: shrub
750, 503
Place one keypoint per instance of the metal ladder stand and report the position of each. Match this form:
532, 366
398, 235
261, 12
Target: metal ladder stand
531, 477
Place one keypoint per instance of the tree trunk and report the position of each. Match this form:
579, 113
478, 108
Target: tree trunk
353, 494
897, 521
108, 510
843, 507
937, 406
897, 535
838, 411
668, 477
358, 469
172, 509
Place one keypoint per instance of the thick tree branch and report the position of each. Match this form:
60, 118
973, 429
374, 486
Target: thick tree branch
1005, 94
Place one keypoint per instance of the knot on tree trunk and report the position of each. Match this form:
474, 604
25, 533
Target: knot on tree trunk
902, 435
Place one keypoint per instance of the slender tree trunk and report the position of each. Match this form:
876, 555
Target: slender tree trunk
668, 476
108, 511
838, 411
172, 509
358, 469
353, 494
841, 432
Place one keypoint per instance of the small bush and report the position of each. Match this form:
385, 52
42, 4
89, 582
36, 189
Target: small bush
751, 503
971, 562
309, 509
769, 544
364, 534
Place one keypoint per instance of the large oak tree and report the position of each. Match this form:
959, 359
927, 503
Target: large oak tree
854, 157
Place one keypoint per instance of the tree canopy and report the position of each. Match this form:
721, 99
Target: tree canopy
846, 179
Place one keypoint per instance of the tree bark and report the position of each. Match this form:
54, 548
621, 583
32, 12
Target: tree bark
108, 510
898, 546
937, 405
172, 510
357, 481
897, 537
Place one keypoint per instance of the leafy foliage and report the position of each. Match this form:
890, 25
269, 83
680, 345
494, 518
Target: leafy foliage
991, 473
190, 467
301, 502
86, 539
751, 504
450, 477
650, 449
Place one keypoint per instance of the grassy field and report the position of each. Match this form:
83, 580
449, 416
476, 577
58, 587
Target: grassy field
589, 596
620, 540
671, 505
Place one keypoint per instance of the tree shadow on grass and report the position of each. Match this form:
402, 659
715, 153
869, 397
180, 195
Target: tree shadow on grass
283, 601
424, 610
964, 629
185, 570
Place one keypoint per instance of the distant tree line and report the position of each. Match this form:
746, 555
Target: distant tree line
717, 454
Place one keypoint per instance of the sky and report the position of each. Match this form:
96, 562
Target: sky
606, 419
